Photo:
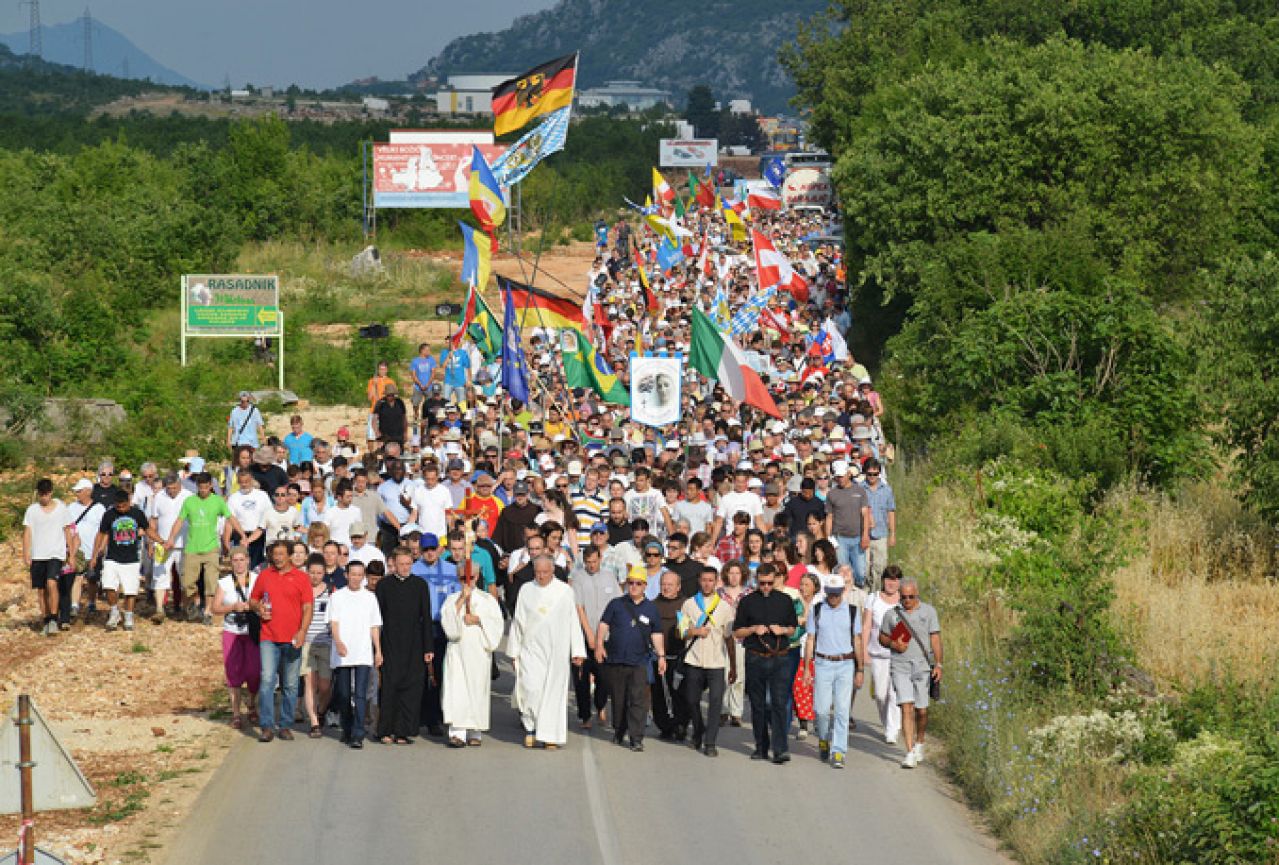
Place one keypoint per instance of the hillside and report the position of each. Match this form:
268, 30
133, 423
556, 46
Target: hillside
113, 52
34, 87
732, 46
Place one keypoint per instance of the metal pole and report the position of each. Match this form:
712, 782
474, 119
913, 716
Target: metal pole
364, 187
27, 834
183, 324
280, 313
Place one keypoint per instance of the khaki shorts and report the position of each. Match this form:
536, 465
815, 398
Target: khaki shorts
191, 564
315, 659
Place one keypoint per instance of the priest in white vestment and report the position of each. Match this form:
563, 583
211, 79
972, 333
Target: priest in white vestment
545, 638
472, 622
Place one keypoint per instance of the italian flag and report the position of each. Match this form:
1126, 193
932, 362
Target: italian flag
717, 357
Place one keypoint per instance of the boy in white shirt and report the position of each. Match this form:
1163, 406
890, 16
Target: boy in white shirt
355, 622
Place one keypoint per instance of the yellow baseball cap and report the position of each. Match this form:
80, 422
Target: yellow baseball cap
637, 573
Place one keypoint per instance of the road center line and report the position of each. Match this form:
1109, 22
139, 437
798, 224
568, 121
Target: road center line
601, 812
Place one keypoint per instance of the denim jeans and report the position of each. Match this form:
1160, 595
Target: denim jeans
832, 693
849, 551
274, 657
769, 691
350, 695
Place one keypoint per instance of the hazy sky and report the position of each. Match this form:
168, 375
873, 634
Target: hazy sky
307, 42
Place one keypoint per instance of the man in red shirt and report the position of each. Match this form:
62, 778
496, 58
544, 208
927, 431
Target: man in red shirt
282, 597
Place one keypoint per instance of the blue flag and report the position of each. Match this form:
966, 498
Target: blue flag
514, 369
775, 172
546, 138
668, 255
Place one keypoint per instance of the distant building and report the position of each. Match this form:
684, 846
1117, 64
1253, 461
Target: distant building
376, 103
628, 93
740, 106
468, 94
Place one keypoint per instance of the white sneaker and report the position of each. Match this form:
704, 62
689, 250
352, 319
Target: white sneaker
128, 621
911, 760
891, 738
919, 752
113, 619
802, 734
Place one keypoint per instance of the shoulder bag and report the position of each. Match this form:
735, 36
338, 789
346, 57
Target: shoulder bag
934, 686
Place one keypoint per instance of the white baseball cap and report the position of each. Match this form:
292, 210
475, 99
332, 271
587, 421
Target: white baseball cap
839, 468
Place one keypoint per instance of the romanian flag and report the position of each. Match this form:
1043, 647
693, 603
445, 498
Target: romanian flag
486, 197
476, 259
539, 91
538, 308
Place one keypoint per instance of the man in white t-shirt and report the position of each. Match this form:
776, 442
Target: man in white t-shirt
355, 622
86, 514
344, 514
740, 499
250, 505
430, 501
165, 507
361, 550
47, 540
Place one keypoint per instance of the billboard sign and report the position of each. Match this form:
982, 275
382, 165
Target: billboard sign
231, 305
425, 174
688, 152
808, 187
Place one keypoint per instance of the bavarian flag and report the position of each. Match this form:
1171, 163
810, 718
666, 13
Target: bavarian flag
539, 91
583, 367
538, 308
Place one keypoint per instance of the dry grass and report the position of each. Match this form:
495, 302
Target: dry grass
1199, 593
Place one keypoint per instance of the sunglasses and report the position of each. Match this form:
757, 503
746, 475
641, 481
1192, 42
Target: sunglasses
652, 555
872, 474
765, 583
636, 583
906, 597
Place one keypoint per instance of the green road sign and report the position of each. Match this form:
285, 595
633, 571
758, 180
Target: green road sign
231, 304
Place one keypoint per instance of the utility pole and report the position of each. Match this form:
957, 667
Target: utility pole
35, 37
88, 40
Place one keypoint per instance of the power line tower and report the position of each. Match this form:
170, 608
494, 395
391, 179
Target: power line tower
87, 21
35, 38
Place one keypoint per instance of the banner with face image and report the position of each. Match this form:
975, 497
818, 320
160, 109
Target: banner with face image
656, 388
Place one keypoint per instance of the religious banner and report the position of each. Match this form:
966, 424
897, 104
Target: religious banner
656, 389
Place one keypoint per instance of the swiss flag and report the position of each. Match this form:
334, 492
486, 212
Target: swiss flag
770, 320
764, 200
773, 269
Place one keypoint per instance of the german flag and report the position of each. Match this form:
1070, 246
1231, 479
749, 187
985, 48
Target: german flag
537, 308
539, 91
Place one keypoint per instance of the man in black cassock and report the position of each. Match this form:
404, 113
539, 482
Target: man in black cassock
407, 640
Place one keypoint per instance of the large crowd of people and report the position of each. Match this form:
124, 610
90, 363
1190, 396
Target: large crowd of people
731, 566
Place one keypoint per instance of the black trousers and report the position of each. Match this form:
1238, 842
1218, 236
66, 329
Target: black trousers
669, 711
350, 690
768, 687
582, 688
400, 702
432, 712
629, 687
696, 680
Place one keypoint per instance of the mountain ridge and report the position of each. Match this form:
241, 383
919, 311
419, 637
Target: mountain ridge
730, 46
64, 44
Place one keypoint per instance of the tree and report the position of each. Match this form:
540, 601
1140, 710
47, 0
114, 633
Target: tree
701, 113
1241, 331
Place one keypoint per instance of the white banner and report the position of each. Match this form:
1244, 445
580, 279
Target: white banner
656, 389
687, 152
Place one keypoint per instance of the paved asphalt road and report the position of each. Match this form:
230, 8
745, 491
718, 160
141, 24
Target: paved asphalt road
318, 802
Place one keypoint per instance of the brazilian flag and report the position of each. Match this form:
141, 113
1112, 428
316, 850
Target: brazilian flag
583, 367
485, 331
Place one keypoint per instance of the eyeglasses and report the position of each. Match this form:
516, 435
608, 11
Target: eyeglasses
636, 583
906, 597
104, 474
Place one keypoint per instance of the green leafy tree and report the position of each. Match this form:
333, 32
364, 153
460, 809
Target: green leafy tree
699, 110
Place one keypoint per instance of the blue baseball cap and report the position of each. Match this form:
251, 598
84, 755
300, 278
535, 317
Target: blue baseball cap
599, 527
429, 542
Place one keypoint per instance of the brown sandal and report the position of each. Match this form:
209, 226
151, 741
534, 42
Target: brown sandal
315, 732
237, 723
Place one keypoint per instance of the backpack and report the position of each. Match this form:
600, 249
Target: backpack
852, 620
